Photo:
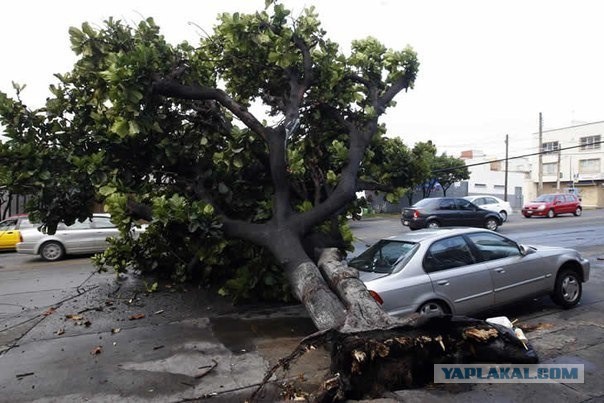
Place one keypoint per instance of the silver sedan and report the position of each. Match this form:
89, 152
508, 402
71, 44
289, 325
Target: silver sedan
89, 236
466, 270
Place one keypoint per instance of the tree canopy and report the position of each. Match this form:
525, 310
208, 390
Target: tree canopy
244, 148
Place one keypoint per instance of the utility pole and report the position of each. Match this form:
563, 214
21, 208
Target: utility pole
505, 184
559, 169
540, 186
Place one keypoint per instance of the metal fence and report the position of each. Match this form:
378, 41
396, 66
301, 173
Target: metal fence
11, 204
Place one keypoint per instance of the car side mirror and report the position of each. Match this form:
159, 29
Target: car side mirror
526, 250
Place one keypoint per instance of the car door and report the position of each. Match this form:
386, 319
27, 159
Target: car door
560, 204
448, 213
569, 203
490, 203
102, 228
514, 275
77, 238
457, 276
468, 214
9, 235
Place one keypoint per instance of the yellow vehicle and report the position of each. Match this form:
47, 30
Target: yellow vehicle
10, 233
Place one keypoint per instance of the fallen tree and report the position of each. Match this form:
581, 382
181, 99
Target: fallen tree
167, 134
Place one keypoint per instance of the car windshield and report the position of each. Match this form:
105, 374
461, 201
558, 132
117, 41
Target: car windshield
544, 199
384, 256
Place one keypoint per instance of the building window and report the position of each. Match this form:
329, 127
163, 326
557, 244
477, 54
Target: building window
590, 166
550, 147
499, 186
480, 185
551, 168
590, 142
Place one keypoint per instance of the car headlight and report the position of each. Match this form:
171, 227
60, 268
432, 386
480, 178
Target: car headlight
541, 207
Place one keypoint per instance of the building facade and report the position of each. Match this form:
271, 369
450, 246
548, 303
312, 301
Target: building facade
488, 177
570, 161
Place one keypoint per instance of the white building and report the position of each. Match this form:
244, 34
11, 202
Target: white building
571, 161
488, 176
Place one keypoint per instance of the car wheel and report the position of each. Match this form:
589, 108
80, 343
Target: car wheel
568, 289
527, 216
433, 308
491, 224
52, 251
551, 214
504, 215
578, 212
433, 224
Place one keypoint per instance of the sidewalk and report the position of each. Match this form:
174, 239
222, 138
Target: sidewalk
188, 345
192, 346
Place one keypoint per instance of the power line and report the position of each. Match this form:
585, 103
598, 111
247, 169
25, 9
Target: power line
513, 158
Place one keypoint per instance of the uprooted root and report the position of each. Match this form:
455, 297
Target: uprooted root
370, 363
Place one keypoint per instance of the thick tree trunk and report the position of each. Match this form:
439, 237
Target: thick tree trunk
323, 306
363, 312
332, 293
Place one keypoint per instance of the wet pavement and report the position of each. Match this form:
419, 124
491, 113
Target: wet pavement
111, 341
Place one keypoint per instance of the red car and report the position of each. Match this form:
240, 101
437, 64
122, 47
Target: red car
550, 205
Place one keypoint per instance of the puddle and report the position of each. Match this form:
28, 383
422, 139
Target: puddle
240, 335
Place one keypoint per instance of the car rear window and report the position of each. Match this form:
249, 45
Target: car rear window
25, 223
424, 203
571, 198
384, 256
102, 222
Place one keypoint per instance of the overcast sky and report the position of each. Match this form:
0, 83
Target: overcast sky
487, 67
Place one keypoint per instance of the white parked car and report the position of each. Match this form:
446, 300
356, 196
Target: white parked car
87, 237
492, 203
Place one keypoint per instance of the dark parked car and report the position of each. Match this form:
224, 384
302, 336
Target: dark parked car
550, 205
466, 270
449, 212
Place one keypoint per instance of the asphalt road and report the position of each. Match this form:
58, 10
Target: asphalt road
164, 356
584, 233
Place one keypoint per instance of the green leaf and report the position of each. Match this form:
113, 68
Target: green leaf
121, 127
133, 128
208, 210
222, 188
107, 190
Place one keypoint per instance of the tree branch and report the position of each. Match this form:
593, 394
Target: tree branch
171, 88
357, 79
307, 61
278, 164
279, 137
402, 83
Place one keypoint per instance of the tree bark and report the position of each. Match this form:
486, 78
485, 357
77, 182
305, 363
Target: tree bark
308, 285
362, 310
